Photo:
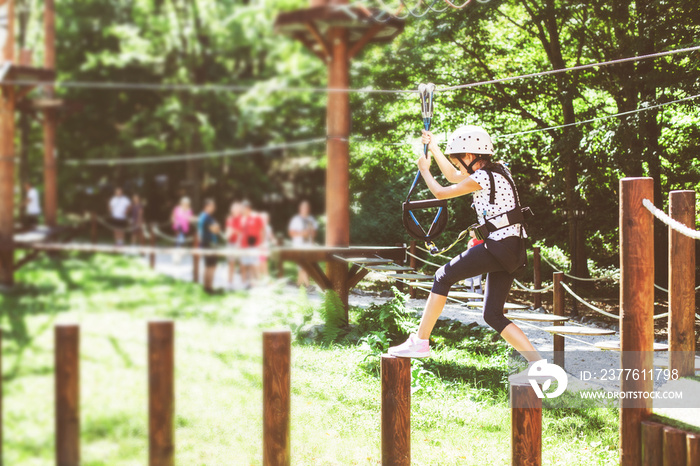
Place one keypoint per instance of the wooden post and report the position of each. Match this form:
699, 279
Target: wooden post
674, 447
652, 443
49, 121
526, 426
195, 259
67, 374
558, 301
537, 297
681, 286
636, 310
396, 411
276, 389
338, 165
161, 393
152, 242
692, 442
412, 262
93, 228
7, 176
399, 283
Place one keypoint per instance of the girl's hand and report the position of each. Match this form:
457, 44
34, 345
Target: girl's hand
423, 162
428, 139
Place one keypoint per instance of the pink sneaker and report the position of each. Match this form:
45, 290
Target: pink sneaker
414, 347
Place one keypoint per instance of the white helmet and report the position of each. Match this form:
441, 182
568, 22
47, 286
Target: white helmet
469, 139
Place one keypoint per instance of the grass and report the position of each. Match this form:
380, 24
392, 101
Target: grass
460, 412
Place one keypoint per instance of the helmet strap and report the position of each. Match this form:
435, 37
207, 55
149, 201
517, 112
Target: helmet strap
470, 167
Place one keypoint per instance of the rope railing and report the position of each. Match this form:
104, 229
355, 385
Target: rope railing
107, 225
674, 224
423, 260
158, 232
531, 290
114, 249
600, 311
573, 277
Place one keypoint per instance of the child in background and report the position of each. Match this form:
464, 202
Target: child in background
181, 219
233, 235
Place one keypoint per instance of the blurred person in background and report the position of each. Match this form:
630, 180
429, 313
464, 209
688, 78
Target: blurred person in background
32, 206
302, 229
181, 218
251, 235
233, 237
266, 241
208, 231
136, 219
118, 212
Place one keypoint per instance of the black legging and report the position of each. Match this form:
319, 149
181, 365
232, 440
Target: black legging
476, 261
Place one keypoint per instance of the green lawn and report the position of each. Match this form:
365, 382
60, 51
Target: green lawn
460, 413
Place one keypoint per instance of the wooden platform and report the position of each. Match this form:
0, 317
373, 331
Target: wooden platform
366, 260
572, 330
465, 295
411, 276
615, 346
507, 306
390, 268
534, 317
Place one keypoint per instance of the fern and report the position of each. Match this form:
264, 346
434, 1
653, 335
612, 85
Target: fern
333, 315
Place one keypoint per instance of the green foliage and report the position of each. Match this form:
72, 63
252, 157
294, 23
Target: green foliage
391, 317
333, 315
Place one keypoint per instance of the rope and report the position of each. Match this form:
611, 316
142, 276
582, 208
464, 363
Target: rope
107, 225
570, 276
531, 290
111, 249
423, 260
590, 306
196, 156
172, 239
666, 291
674, 224
367, 90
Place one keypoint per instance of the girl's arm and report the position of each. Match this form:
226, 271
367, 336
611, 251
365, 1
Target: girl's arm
466, 186
451, 173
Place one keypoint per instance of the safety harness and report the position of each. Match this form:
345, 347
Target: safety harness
410, 221
518, 216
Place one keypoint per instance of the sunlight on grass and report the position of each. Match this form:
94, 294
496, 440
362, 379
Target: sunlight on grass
459, 410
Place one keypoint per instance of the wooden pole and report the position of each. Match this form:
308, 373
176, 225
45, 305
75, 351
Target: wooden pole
67, 354
674, 447
652, 443
558, 300
537, 297
93, 228
396, 411
692, 442
681, 286
152, 241
636, 311
526, 426
413, 263
338, 165
161, 393
49, 122
276, 389
7, 177
195, 259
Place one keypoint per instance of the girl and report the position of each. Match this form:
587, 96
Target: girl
470, 149
181, 219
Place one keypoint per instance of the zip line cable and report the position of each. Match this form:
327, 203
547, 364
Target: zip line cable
368, 90
197, 156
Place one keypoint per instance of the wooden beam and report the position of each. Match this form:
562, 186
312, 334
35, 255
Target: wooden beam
355, 278
277, 349
368, 36
7, 184
49, 122
311, 27
525, 426
315, 272
309, 45
558, 299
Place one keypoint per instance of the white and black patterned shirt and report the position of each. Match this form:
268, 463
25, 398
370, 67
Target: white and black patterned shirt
504, 202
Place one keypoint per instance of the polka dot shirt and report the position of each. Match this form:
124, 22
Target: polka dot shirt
505, 202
